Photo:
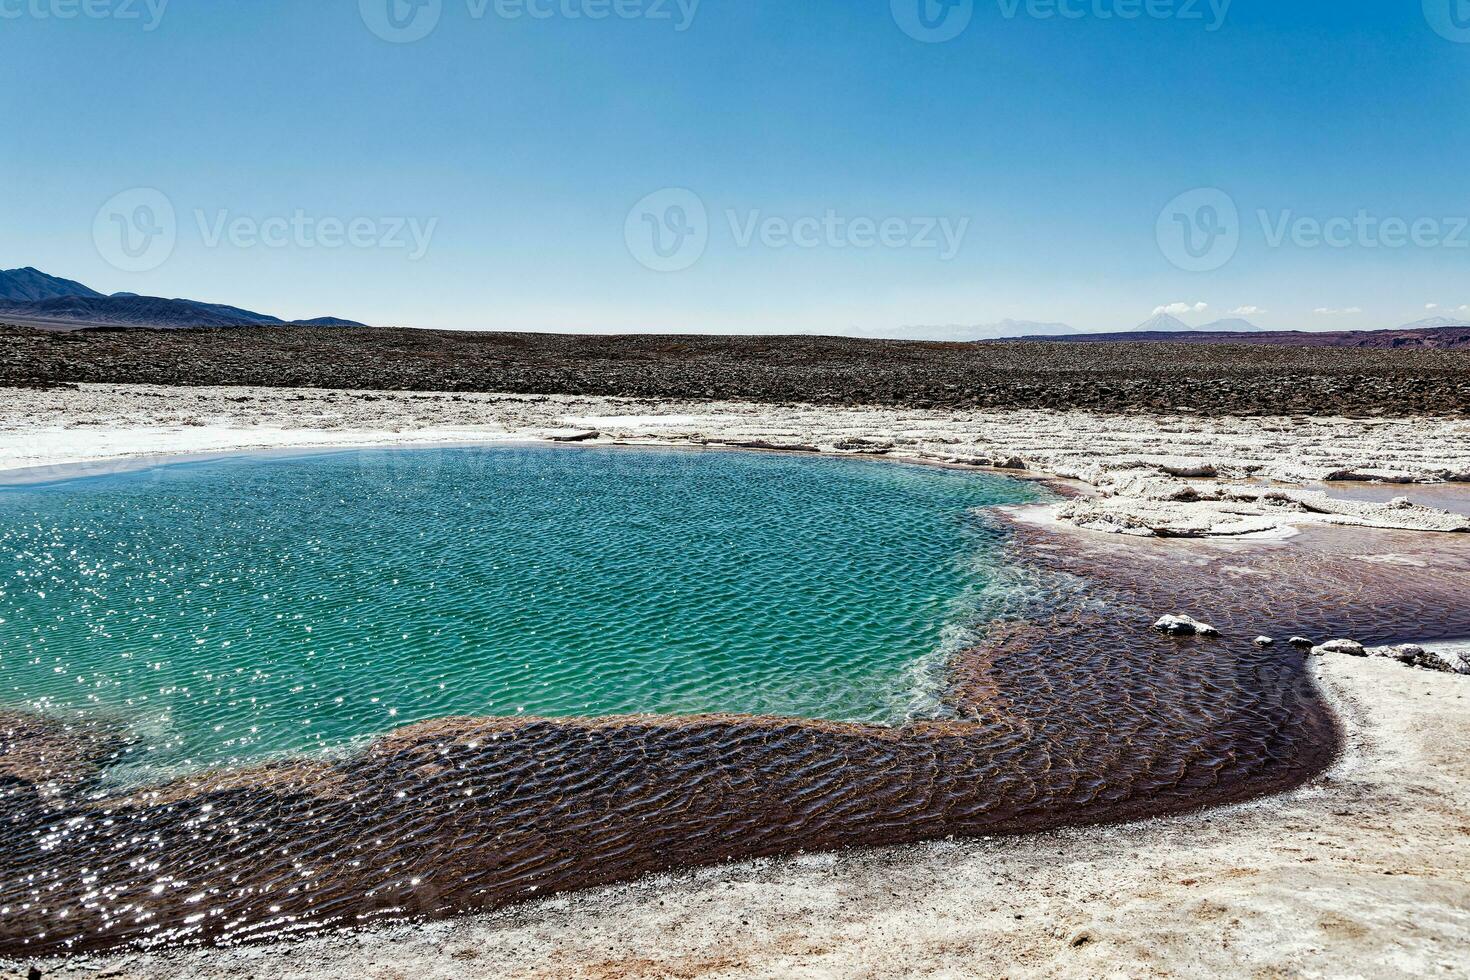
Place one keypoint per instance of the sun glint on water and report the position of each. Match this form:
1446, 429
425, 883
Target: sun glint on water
234, 609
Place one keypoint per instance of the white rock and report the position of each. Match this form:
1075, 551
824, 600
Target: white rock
1416, 656
1348, 647
1181, 625
1403, 653
1300, 641
1265, 641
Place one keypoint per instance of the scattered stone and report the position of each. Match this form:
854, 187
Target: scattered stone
1181, 625
1265, 641
1350, 648
1414, 655
577, 437
1300, 641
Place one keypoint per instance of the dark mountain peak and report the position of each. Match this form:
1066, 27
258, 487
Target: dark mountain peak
327, 321
1162, 323
30, 284
31, 295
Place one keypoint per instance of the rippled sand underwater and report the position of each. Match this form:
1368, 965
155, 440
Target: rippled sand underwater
1062, 707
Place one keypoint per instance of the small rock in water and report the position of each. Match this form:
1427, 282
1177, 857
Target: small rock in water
1184, 626
1349, 647
1265, 641
1301, 641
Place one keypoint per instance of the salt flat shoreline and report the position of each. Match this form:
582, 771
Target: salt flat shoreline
1365, 872
1172, 476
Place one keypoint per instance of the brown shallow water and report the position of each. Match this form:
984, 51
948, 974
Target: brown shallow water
1083, 716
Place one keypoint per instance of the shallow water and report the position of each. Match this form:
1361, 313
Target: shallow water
1068, 710
235, 609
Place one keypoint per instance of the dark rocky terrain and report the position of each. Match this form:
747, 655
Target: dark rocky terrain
1176, 377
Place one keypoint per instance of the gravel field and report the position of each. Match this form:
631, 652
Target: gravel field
1133, 377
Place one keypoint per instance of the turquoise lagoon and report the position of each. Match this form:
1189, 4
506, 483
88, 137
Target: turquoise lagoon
228, 610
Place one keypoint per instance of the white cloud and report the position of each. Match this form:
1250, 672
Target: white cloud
1431, 306
1247, 311
1324, 311
1464, 309
1178, 309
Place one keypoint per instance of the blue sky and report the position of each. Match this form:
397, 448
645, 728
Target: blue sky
499, 171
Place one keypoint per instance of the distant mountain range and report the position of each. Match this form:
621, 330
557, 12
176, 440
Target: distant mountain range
1230, 325
32, 297
1160, 323
963, 333
1435, 322
1406, 338
1438, 332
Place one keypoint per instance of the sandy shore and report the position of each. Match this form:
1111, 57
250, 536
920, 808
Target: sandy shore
1148, 475
1364, 873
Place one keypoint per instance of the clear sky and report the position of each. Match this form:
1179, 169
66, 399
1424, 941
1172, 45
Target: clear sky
855, 170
